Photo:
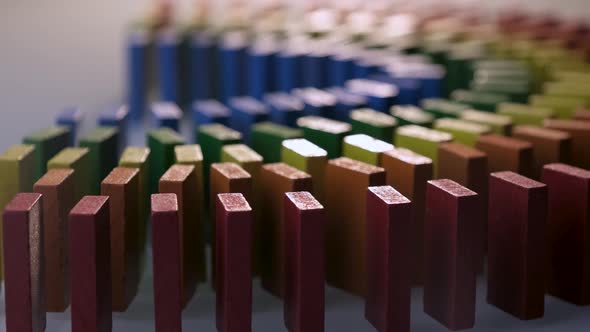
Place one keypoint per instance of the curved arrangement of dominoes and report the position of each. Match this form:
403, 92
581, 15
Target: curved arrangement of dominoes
371, 150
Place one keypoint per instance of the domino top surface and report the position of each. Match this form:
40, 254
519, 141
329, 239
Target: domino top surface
388, 195
234, 202
452, 188
303, 200
89, 205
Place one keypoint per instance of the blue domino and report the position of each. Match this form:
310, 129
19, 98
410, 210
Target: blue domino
341, 66
71, 117
138, 44
232, 65
261, 57
168, 54
316, 101
166, 114
210, 111
380, 95
289, 69
315, 68
409, 89
118, 118
284, 108
346, 102
201, 65
245, 112
430, 76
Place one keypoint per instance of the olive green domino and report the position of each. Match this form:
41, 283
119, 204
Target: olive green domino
423, 141
161, 143
443, 108
523, 114
267, 138
500, 124
373, 123
463, 131
563, 107
103, 146
79, 160
412, 115
244, 156
365, 148
48, 142
309, 158
485, 101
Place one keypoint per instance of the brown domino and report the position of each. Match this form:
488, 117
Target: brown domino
582, 114
468, 167
122, 186
234, 263
24, 281
304, 258
167, 263
182, 181
451, 243
568, 230
549, 146
408, 173
57, 188
275, 180
90, 255
347, 181
389, 260
516, 244
226, 178
580, 133
507, 154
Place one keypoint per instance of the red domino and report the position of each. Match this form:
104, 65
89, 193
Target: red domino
23, 259
568, 230
90, 259
451, 237
389, 260
517, 217
304, 262
233, 257
168, 294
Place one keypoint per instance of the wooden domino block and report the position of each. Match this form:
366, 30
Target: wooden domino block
582, 114
136, 157
500, 124
18, 168
365, 148
568, 264
245, 112
166, 115
421, 140
57, 188
507, 154
233, 263
122, 186
169, 298
390, 259
161, 143
564, 107
275, 180
103, 147
580, 133
443, 108
71, 117
309, 158
549, 146
90, 265
304, 263
210, 111
450, 237
325, 133
317, 102
23, 255
117, 118
346, 197
245, 157
267, 138
48, 142
464, 132
485, 101
373, 123
229, 178
192, 155
411, 115
77, 159
285, 108
181, 180
522, 114
408, 173
516, 244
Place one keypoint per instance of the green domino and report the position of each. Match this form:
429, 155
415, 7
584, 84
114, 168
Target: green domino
568, 89
518, 91
161, 143
423, 141
564, 107
485, 101
523, 114
267, 138
48, 142
325, 133
103, 146
412, 115
79, 160
375, 124
365, 148
18, 167
191, 154
244, 156
442, 108
572, 76
307, 157
499, 124
463, 131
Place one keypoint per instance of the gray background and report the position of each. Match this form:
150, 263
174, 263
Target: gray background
68, 52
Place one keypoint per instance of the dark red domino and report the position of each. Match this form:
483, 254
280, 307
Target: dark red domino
568, 229
234, 224
516, 243
23, 256
389, 260
166, 263
90, 260
451, 245
304, 262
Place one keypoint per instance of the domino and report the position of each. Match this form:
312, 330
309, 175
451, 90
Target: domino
285, 108
346, 102
522, 114
245, 112
79, 160
71, 117
316, 102
507, 154
119, 119
325, 133
48, 142
103, 150
210, 111
309, 158
484, 101
580, 133
499, 124
412, 115
549, 146
161, 143
563, 107
364, 148
464, 132
166, 115
443, 108
421, 140
267, 139
375, 124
